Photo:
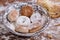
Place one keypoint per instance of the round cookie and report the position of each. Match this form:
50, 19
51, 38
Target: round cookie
26, 11
13, 14
35, 17
23, 20
21, 29
35, 27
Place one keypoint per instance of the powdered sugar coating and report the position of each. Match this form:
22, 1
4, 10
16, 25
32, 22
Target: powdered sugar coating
35, 17
23, 20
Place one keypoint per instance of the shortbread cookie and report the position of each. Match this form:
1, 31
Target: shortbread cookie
35, 27
12, 16
22, 29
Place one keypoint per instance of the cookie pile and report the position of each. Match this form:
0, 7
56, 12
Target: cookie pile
27, 19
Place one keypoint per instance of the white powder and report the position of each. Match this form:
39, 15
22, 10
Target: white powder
23, 20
